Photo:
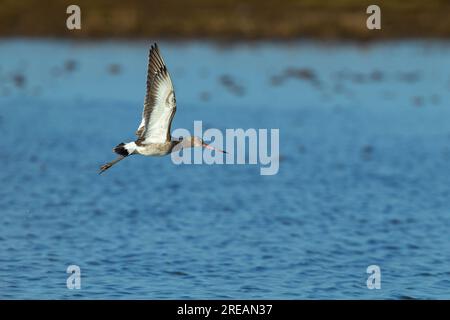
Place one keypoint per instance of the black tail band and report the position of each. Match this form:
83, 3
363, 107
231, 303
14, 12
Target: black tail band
120, 149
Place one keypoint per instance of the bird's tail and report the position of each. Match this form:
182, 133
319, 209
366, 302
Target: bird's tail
123, 150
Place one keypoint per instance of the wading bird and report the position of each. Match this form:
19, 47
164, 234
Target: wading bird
153, 133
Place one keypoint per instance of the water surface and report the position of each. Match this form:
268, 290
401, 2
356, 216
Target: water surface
364, 172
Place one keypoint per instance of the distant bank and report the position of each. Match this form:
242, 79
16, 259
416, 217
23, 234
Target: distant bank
227, 19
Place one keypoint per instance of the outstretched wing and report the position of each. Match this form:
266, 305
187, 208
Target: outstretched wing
159, 104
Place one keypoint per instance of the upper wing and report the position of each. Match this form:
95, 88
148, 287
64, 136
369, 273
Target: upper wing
160, 103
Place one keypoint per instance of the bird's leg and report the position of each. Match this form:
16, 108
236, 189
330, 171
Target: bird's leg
110, 164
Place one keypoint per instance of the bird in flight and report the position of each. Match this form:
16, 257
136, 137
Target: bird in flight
153, 133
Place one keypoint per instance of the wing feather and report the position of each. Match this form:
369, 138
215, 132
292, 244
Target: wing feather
159, 104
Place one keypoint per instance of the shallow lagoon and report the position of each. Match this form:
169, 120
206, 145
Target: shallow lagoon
364, 172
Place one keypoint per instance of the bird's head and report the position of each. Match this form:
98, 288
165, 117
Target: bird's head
198, 142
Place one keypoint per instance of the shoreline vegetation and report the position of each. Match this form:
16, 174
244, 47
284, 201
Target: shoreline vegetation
226, 19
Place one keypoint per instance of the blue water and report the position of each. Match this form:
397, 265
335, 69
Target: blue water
364, 172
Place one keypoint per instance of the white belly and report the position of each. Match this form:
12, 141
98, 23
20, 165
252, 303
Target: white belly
154, 149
